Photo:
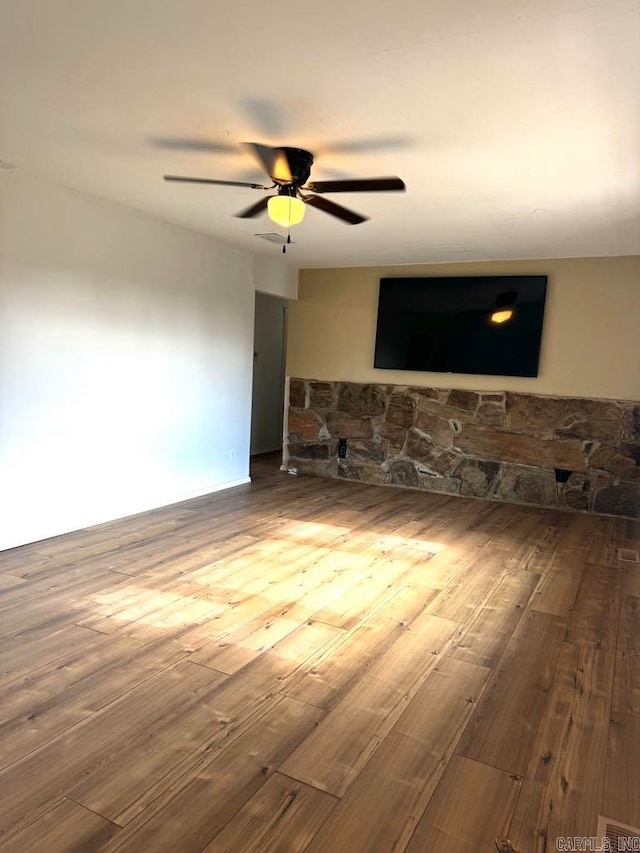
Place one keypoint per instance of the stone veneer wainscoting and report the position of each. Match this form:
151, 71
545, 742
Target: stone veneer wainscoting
516, 448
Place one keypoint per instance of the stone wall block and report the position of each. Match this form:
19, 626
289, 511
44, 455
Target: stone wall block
322, 395
440, 429
491, 414
434, 483
297, 393
523, 484
366, 451
401, 410
597, 430
620, 462
341, 425
444, 410
477, 478
315, 467
623, 499
439, 395
576, 492
310, 451
395, 436
358, 400
498, 446
422, 449
402, 472
545, 415
304, 424
466, 400
364, 473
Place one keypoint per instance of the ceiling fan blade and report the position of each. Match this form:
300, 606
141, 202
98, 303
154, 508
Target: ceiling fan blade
358, 185
200, 146
334, 209
255, 209
379, 143
266, 116
273, 160
212, 181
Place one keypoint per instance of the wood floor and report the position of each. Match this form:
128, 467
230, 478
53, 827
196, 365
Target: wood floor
312, 665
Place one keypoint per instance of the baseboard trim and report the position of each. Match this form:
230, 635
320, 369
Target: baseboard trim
210, 490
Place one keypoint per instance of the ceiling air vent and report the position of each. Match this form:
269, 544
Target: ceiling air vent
615, 836
627, 555
272, 237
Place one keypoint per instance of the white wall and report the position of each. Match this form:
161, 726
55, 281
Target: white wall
268, 373
125, 360
271, 276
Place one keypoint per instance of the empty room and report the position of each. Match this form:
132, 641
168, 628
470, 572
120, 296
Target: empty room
319, 427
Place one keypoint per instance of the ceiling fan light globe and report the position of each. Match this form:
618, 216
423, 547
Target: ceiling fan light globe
285, 210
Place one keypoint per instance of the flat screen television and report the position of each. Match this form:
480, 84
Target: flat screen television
469, 324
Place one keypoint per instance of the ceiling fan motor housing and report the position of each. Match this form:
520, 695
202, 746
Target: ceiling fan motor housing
300, 163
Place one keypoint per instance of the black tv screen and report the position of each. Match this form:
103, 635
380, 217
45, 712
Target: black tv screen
471, 324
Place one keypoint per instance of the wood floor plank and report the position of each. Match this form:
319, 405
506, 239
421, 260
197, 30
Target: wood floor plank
504, 725
561, 794
272, 671
607, 533
632, 580
593, 619
383, 579
47, 773
238, 648
484, 641
469, 811
626, 684
335, 672
626, 689
134, 776
8, 581
66, 603
381, 808
629, 626
283, 816
43, 648
336, 752
471, 586
205, 802
46, 702
328, 580
537, 551
452, 557
65, 828
558, 589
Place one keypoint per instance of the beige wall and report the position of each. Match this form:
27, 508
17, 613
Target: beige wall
590, 343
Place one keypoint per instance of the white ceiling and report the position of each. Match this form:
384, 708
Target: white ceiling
515, 123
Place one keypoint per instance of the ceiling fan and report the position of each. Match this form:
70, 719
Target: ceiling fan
289, 169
